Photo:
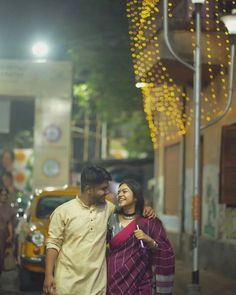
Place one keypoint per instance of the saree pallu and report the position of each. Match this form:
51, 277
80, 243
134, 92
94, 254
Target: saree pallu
133, 270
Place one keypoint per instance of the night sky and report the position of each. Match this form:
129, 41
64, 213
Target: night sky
61, 23
97, 31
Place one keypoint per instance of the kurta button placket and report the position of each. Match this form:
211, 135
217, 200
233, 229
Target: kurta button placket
92, 213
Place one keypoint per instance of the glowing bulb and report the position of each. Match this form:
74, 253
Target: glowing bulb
40, 49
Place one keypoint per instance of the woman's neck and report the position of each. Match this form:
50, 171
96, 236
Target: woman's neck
128, 214
128, 211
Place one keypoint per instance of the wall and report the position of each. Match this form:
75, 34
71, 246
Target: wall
49, 83
217, 220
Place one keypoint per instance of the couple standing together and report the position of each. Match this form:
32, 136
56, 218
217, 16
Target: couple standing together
140, 257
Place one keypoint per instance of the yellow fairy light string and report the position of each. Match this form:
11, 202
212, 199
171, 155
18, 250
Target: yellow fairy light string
164, 101
154, 99
212, 26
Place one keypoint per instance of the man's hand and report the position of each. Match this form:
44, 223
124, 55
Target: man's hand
149, 212
49, 286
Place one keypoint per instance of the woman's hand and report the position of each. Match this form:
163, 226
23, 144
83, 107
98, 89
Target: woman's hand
140, 235
9, 239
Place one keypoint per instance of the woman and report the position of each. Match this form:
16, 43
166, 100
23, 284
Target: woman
139, 248
6, 224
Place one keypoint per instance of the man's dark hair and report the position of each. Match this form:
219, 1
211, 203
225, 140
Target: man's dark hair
93, 175
136, 189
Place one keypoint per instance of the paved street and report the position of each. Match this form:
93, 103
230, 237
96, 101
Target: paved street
211, 283
9, 285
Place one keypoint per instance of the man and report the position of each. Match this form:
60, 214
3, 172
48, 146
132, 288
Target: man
75, 259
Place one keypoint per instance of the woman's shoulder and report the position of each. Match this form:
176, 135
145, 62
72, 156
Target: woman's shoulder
151, 222
114, 218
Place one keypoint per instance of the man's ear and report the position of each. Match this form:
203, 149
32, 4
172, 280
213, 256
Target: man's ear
88, 189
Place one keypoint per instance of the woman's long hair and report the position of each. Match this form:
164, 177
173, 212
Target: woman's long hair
136, 189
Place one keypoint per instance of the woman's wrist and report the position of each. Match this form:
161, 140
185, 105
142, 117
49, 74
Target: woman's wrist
152, 244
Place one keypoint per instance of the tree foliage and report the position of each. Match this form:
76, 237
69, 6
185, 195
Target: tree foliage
100, 52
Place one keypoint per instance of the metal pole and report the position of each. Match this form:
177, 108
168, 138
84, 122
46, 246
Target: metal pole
167, 39
195, 288
104, 141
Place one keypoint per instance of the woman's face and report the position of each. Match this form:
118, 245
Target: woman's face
125, 197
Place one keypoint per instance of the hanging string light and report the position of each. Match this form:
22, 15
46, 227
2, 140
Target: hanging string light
168, 109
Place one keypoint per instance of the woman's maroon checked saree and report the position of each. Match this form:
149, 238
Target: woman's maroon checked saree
133, 270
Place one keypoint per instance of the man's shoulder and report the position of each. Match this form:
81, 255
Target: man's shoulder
66, 206
110, 203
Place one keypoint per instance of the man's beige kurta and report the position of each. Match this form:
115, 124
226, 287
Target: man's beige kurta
78, 232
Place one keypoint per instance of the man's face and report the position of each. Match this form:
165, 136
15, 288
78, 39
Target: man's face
99, 192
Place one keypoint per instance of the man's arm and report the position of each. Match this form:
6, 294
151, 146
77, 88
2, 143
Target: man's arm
49, 283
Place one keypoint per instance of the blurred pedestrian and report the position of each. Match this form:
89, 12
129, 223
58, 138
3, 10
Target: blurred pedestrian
8, 183
139, 248
7, 215
7, 160
76, 246
6, 163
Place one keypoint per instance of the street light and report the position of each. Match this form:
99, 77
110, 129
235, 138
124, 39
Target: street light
40, 50
230, 23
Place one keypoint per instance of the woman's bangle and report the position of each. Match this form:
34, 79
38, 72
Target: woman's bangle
153, 244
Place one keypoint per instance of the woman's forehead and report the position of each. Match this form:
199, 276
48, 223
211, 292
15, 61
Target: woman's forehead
124, 186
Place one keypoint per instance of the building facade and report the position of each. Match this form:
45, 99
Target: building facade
167, 88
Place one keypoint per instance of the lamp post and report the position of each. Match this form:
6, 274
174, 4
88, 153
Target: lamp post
230, 23
195, 287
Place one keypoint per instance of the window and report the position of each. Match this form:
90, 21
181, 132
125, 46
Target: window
228, 165
49, 203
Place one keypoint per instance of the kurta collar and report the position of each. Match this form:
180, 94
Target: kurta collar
89, 207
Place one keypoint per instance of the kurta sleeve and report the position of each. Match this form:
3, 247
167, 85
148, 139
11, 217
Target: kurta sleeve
111, 207
56, 230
